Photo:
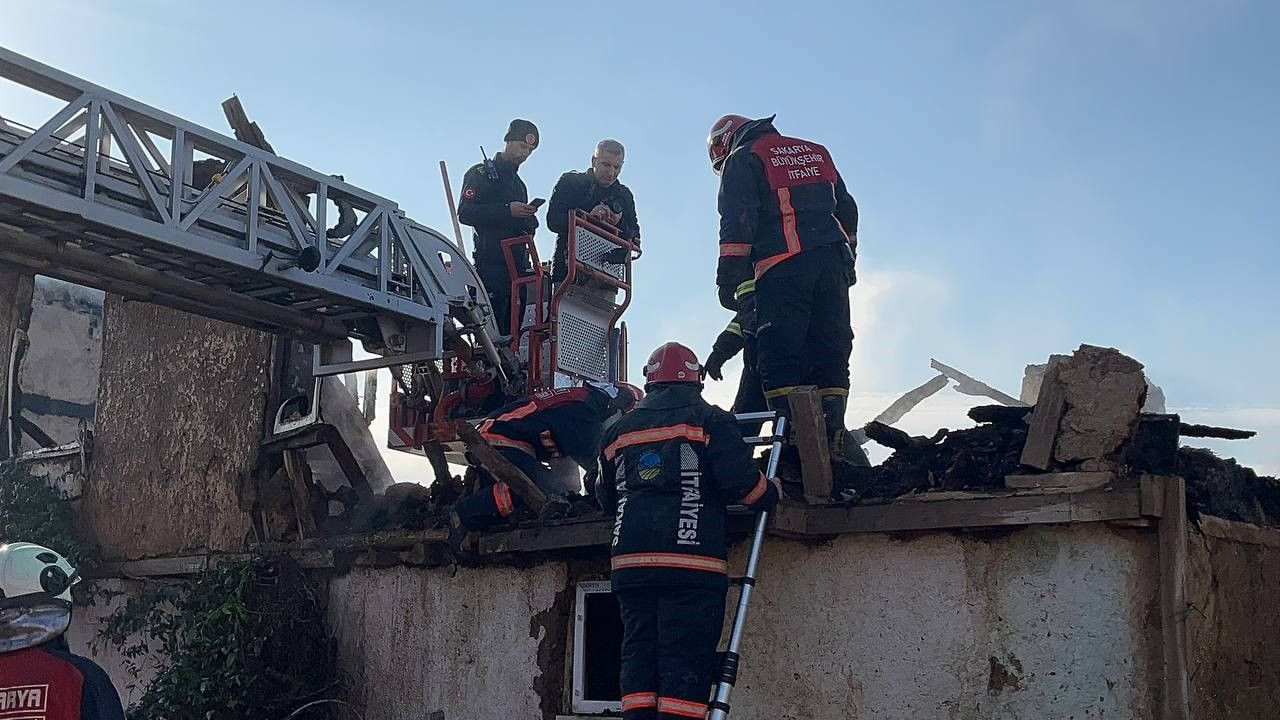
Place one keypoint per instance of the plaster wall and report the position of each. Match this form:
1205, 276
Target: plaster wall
416, 643
179, 422
59, 372
1233, 631
1046, 622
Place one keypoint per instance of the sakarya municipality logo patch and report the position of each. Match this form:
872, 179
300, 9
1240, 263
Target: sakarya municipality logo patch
649, 465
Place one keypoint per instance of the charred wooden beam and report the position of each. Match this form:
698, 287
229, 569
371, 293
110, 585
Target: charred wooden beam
1209, 431
501, 468
1050, 405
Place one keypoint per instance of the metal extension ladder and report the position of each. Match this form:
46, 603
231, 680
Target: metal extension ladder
719, 705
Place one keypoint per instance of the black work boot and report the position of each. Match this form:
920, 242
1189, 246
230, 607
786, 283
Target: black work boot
460, 552
845, 449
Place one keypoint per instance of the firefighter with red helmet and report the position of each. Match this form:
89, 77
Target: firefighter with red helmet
549, 424
788, 220
39, 676
668, 471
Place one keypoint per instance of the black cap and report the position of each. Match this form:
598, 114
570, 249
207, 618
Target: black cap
522, 130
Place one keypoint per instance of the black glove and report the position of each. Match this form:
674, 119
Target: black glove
616, 256
715, 361
850, 260
727, 299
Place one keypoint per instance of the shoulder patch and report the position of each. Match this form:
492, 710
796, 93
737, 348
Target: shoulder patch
469, 193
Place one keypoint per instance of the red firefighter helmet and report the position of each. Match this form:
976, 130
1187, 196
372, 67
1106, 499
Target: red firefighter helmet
673, 362
636, 395
720, 139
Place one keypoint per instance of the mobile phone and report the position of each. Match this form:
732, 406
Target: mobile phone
537, 202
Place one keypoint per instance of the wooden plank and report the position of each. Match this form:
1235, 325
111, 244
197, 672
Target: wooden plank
389, 539
1151, 495
1240, 532
811, 441
1067, 507
299, 474
1043, 428
788, 518
313, 559
1062, 480
166, 566
1173, 599
501, 468
549, 537
1133, 523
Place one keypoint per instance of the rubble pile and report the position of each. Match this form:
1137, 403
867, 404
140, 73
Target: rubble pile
1223, 488
1087, 421
971, 459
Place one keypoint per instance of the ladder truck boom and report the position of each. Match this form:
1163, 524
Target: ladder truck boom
90, 196
108, 192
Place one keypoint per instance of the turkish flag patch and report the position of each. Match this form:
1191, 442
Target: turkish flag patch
469, 193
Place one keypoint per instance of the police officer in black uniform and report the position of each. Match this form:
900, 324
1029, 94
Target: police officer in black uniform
596, 192
786, 215
668, 471
495, 203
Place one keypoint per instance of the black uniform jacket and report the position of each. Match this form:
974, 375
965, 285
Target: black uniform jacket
668, 472
485, 206
579, 191
564, 422
779, 196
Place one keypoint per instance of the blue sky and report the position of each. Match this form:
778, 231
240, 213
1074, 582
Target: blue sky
1031, 175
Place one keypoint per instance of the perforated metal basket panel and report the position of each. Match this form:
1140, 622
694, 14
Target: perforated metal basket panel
582, 341
591, 247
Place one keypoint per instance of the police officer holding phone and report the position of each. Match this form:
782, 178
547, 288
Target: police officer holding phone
495, 203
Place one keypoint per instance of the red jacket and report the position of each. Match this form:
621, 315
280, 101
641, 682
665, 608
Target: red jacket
39, 683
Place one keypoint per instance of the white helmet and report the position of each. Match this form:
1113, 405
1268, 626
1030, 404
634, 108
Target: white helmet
27, 569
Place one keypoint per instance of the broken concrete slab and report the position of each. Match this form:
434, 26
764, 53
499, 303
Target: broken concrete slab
1104, 391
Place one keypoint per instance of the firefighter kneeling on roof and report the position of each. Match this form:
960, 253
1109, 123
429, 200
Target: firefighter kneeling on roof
669, 470
549, 424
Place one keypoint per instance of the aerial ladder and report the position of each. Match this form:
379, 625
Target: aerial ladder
114, 194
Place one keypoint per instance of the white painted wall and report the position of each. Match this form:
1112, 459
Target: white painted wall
416, 641
1043, 622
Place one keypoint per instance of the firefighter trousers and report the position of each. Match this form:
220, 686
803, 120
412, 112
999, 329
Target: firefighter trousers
804, 334
669, 638
750, 396
497, 282
494, 501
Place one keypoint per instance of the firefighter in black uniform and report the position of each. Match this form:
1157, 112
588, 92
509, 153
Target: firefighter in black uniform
786, 215
596, 192
740, 336
549, 424
495, 203
668, 471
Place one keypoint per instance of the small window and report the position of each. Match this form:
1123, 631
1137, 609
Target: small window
597, 649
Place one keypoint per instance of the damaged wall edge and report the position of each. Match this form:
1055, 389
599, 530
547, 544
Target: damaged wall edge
922, 513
